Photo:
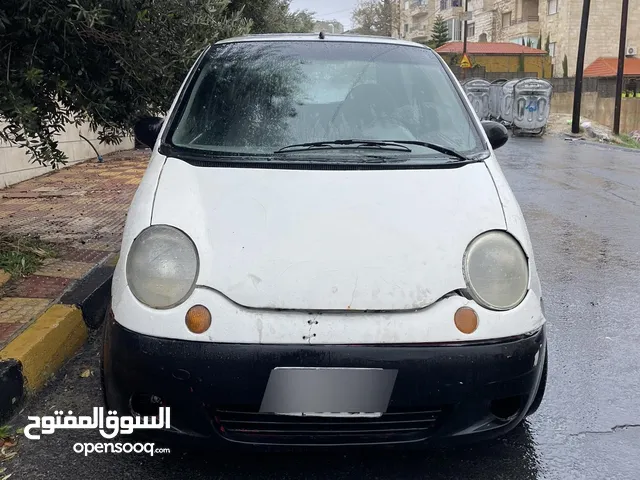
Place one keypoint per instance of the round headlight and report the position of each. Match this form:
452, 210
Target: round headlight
496, 271
162, 266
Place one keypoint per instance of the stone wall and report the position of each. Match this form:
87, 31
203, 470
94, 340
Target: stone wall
600, 109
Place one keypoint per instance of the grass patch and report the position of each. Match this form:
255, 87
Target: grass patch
5, 431
23, 255
628, 141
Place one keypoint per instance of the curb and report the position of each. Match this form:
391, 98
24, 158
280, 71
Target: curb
91, 295
34, 356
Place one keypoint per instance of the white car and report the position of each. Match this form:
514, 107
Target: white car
324, 251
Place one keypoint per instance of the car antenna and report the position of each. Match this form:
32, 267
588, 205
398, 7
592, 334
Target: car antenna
321, 35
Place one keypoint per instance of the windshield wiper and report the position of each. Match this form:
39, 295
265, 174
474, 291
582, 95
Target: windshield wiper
433, 146
399, 145
351, 144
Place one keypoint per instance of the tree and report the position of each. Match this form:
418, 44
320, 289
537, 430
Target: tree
374, 17
547, 46
540, 42
565, 66
439, 32
107, 63
273, 16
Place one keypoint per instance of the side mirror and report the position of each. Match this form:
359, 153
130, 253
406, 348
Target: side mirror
147, 130
496, 133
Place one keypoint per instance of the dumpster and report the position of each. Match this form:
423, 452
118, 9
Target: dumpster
477, 91
531, 106
495, 94
506, 102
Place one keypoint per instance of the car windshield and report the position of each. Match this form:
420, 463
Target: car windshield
262, 97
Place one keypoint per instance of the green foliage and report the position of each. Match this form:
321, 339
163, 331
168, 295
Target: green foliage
539, 46
565, 67
374, 17
523, 42
529, 43
109, 62
21, 256
546, 47
273, 16
628, 141
439, 32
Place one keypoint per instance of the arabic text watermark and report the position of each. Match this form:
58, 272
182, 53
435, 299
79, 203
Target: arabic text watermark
109, 427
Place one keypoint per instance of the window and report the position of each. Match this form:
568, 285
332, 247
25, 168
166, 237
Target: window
406, 5
253, 98
406, 28
506, 19
471, 29
455, 29
444, 4
552, 8
552, 49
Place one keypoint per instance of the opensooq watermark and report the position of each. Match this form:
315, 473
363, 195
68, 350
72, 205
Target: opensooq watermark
109, 427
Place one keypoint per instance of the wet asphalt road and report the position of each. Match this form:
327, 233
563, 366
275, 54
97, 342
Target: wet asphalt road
582, 205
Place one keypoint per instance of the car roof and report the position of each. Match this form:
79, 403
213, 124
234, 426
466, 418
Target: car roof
340, 38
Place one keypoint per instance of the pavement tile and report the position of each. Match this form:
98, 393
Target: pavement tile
113, 246
21, 310
5, 206
38, 286
99, 213
7, 331
82, 255
65, 269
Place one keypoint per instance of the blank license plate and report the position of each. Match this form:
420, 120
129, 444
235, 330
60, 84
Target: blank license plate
328, 392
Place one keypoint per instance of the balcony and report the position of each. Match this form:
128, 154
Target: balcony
529, 19
419, 33
524, 26
450, 8
418, 10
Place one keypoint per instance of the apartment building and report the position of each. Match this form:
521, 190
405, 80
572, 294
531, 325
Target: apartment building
560, 21
528, 21
417, 17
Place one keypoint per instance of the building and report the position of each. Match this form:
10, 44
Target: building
416, 18
605, 67
553, 25
560, 22
500, 57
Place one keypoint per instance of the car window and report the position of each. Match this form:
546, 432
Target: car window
257, 97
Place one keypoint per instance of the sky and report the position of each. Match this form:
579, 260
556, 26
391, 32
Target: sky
340, 10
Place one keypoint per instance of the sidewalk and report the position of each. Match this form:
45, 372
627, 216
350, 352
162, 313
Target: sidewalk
82, 210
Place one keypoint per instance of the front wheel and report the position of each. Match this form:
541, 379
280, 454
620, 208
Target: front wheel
541, 387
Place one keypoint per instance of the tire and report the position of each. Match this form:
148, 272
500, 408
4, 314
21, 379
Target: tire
541, 387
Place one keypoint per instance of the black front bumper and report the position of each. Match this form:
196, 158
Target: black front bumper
442, 393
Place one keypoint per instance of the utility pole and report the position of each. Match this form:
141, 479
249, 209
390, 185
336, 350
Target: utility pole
464, 37
577, 93
621, 54
464, 43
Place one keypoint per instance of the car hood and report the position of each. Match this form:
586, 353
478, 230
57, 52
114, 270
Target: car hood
329, 239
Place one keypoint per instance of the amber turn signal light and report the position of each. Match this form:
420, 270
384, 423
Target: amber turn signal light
466, 320
198, 319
